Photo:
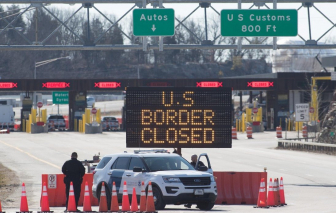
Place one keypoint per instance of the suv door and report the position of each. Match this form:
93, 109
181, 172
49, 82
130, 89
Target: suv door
205, 159
117, 173
134, 179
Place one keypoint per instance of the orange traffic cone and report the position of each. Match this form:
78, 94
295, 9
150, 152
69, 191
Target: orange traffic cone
71, 200
143, 198
276, 192
282, 193
270, 195
45, 200
24, 202
134, 206
125, 200
114, 200
87, 200
150, 207
103, 201
262, 203
1, 208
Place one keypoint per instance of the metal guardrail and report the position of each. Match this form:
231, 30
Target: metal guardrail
307, 146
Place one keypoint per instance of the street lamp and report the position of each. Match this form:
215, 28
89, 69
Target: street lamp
41, 63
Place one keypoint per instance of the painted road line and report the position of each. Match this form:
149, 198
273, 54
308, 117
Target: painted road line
30, 155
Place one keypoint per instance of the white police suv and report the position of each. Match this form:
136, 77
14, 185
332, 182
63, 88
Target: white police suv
173, 179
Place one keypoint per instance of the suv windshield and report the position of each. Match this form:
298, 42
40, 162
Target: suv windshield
167, 163
109, 119
56, 117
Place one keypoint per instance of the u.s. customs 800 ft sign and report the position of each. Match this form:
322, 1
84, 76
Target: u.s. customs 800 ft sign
178, 117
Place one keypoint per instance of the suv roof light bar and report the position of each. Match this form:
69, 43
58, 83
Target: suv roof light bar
151, 151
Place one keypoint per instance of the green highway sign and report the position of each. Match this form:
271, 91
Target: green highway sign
153, 22
259, 23
60, 97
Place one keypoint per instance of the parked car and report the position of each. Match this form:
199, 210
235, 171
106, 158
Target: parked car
90, 101
56, 121
110, 123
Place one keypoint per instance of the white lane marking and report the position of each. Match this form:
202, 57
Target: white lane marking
309, 175
32, 156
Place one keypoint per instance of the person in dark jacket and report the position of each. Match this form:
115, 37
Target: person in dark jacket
194, 161
74, 172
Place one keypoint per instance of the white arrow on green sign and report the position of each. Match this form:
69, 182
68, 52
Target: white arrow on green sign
154, 22
259, 23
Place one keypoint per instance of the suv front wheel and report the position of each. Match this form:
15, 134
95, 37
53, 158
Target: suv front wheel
205, 206
158, 199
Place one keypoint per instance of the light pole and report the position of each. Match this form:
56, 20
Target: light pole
41, 63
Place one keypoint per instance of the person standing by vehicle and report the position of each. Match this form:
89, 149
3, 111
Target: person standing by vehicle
74, 172
194, 161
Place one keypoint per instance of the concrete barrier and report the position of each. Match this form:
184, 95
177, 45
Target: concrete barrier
35, 129
56, 189
89, 129
238, 187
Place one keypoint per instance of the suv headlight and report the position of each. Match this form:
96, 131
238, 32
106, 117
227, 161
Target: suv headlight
171, 180
212, 178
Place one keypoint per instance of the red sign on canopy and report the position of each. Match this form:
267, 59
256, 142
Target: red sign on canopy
260, 84
55, 85
110, 85
209, 84
8, 85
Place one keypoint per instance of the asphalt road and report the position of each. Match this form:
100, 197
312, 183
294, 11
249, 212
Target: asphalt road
309, 178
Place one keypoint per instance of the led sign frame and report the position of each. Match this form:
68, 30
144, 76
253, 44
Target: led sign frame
178, 117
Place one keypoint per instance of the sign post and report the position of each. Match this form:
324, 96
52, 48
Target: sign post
154, 22
271, 23
39, 105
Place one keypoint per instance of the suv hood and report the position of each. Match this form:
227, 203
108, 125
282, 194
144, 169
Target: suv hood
182, 173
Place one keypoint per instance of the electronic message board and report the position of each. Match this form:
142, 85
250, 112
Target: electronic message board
178, 117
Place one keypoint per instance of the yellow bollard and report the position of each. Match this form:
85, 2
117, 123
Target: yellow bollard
87, 116
23, 125
27, 126
243, 122
237, 125
259, 114
30, 122
44, 115
98, 116
80, 126
83, 122
75, 125
248, 115
33, 114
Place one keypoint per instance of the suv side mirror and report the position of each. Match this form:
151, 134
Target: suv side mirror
137, 169
202, 168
